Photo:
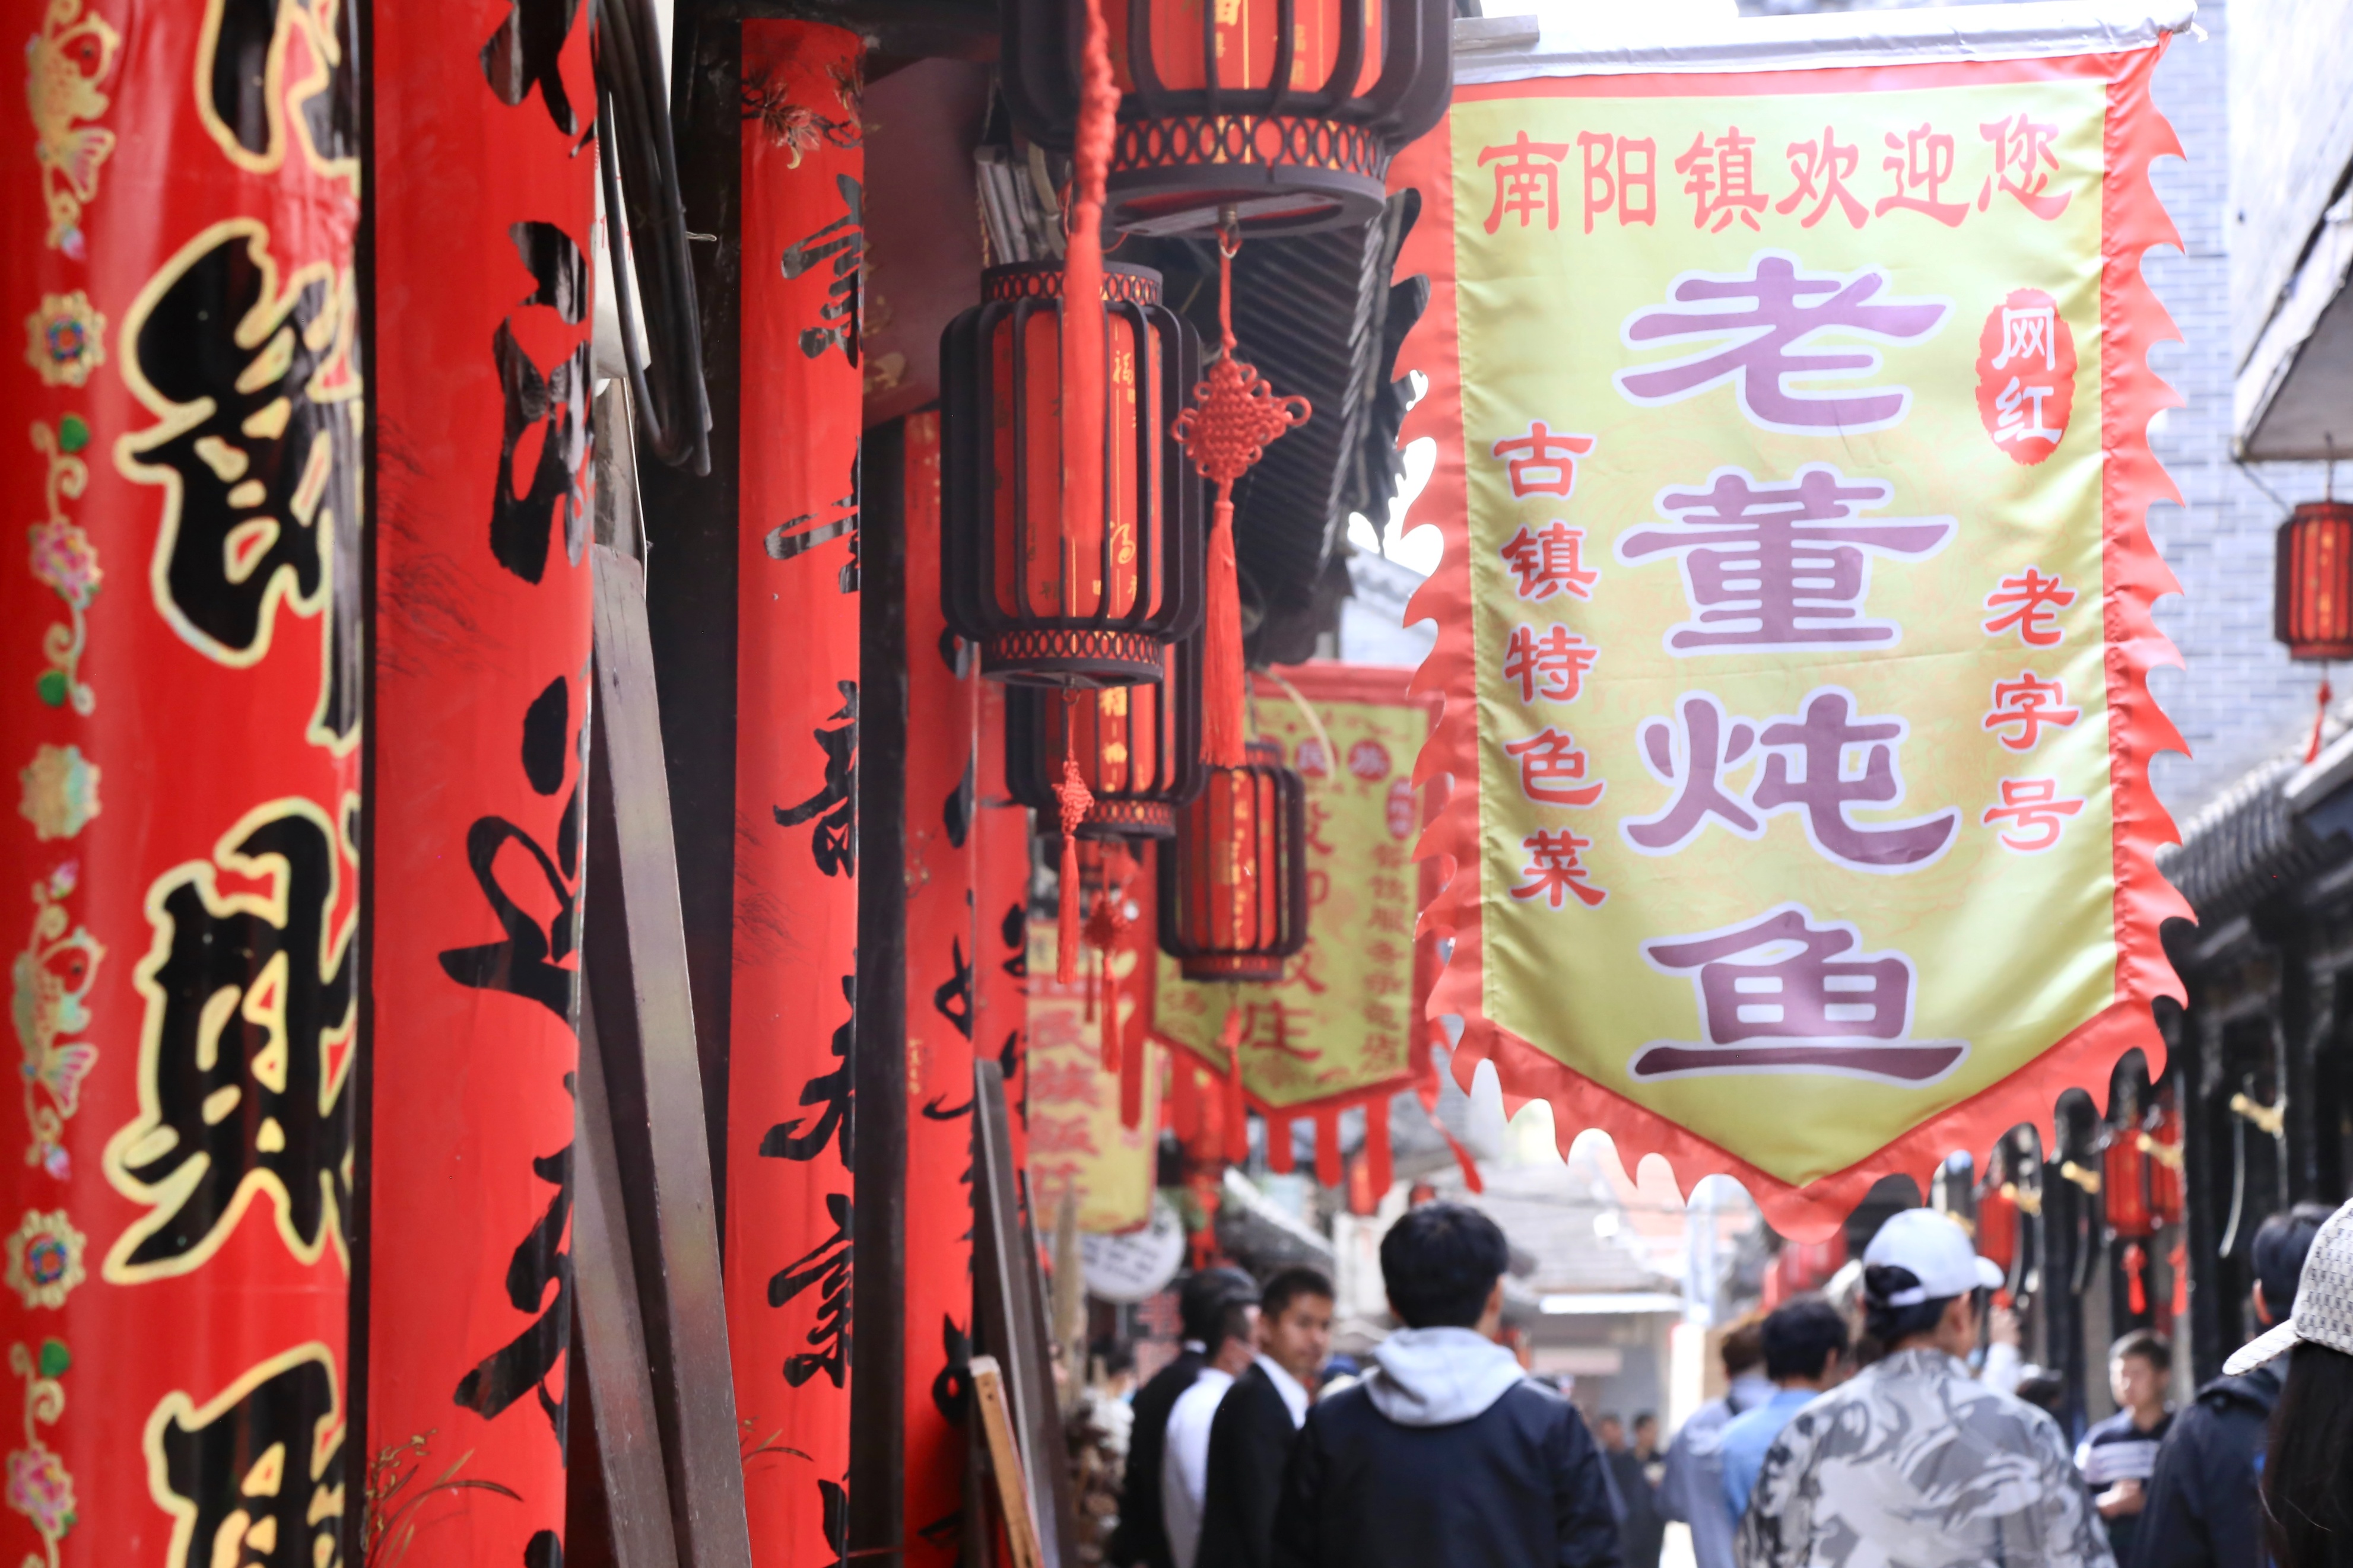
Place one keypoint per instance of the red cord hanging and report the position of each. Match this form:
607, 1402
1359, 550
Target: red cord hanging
1106, 929
1233, 416
2312, 752
1072, 799
1083, 317
1237, 1117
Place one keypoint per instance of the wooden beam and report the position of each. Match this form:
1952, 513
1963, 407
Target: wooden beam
1009, 1313
612, 1344
636, 961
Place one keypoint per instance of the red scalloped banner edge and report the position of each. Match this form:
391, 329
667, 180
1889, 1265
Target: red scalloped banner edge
2131, 321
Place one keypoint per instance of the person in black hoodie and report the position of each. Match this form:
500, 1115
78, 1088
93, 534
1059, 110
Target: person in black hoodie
1445, 1455
2202, 1509
1258, 1421
1141, 1541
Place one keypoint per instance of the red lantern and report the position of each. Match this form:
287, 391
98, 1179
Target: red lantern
1233, 881
1137, 750
1284, 111
1057, 595
2124, 1183
2312, 607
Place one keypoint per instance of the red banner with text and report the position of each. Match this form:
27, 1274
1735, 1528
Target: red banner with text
795, 967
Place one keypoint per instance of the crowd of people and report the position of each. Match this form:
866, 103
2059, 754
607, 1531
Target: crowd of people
1893, 1440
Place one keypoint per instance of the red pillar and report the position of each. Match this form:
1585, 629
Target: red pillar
180, 712
788, 1149
484, 252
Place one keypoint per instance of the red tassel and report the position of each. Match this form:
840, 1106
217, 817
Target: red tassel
1082, 312
2136, 1279
1277, 1147
2312, 752
2178, 1261
1074, 799
1237, 1109
1221, 660
1383, 1171
1094, 967
1327, 1148
1233, 416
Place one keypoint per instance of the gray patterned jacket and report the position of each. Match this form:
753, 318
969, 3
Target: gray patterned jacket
1913, 1464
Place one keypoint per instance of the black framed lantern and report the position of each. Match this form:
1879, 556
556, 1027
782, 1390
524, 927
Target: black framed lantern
1284, 113
1138, 749
2312, 606
1233, 879
1054, 600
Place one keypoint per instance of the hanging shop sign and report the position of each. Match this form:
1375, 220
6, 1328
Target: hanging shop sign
180, 709
941, 956
1794, 618
1341, 1025
1077, 1140
481, 749
796, 958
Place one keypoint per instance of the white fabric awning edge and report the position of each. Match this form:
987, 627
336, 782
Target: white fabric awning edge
1515, 48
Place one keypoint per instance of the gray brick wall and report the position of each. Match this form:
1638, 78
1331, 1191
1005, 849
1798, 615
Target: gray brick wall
2240, 700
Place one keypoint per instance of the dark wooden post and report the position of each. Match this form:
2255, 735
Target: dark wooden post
877, 1390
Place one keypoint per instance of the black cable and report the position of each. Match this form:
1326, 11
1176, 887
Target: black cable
639, 162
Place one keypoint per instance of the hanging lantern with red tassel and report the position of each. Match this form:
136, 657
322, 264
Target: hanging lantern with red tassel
2312, 598
1055, 591
1137, 750
1233, 881
1285, 110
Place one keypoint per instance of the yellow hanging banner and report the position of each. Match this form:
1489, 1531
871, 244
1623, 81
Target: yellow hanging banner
1077, 1141
1794, 615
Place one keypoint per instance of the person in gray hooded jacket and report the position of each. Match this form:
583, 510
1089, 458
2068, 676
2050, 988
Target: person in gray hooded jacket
1445, 1454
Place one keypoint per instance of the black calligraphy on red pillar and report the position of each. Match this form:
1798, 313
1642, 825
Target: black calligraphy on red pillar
539, 923
806, 1137
257, 1475
834, 807
841, 243
259, 453
524, 1363
245, 1098
525, 55
547, 420
826, 1269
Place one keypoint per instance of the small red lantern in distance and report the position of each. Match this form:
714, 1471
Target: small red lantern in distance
1285, 111
1138, 749
1051, 601
2312, 610
1233, 881
2123, 1182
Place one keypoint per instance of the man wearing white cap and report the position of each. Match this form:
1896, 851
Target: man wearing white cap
1913, 1460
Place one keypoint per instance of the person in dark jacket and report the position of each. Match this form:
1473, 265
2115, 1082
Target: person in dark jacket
1258, 1421
1445, 1455
1643, 1530
1141, 1541
2202, 1511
